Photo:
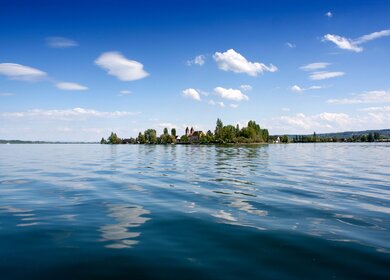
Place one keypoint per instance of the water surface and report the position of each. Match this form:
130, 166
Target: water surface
297, 211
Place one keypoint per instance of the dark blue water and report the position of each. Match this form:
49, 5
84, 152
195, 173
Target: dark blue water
297, 211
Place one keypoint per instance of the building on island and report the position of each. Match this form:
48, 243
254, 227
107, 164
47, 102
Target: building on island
193, 135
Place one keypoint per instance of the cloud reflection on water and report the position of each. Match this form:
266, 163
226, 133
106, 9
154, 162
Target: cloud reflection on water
118, 235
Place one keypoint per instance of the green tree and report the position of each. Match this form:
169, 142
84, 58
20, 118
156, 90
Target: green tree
284, 139
218, 131
165, 138
173, 131
141, 138
150, 136
114, 139
377, 136
370, 137
103, 141
184, 139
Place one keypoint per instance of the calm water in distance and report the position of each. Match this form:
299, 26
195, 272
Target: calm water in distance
296, 211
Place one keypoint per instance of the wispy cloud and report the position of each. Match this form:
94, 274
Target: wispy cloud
235, 62
246, 87
315, 66
60, 42
220, 103
290, 45
70, 86
375, 96
191, 93
6, 94
198, 60
325, 75
21, 72
122, 68
298, 89
67, 114
355, 44
124, 92
232, 94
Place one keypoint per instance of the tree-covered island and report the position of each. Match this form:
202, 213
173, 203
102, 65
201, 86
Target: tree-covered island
223, 134
251, 134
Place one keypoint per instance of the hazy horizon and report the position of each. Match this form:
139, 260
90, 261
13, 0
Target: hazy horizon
75, 71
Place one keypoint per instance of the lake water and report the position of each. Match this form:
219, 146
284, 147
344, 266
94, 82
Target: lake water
296, 211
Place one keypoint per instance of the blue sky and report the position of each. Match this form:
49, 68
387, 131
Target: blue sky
76, 70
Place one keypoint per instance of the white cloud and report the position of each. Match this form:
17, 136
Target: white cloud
325, 75
296, 88
119, 66
367, 118
198, 60
233, 106
232, 94
343, 43
301, 123
191, 93
67, 114
376, 109
235, 62
315, 66
168, 125
70, 86
329, 14
354, 44
220, 104
124, 92
290, 45
375, 96
21, 72
60, 42
246, 87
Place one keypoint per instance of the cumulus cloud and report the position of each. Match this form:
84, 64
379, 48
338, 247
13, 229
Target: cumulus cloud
298, 89
122, 68
232, 94
355, 44
246, 87
60, 42
235, 62
198, 60
70, 86
191, 93
21, 72
375, 96
325, 75
67, 114
315, 66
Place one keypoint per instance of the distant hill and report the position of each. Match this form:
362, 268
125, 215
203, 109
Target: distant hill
41, 142
347, 134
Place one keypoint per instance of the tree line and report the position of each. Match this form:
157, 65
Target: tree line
222, 134
314, 138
